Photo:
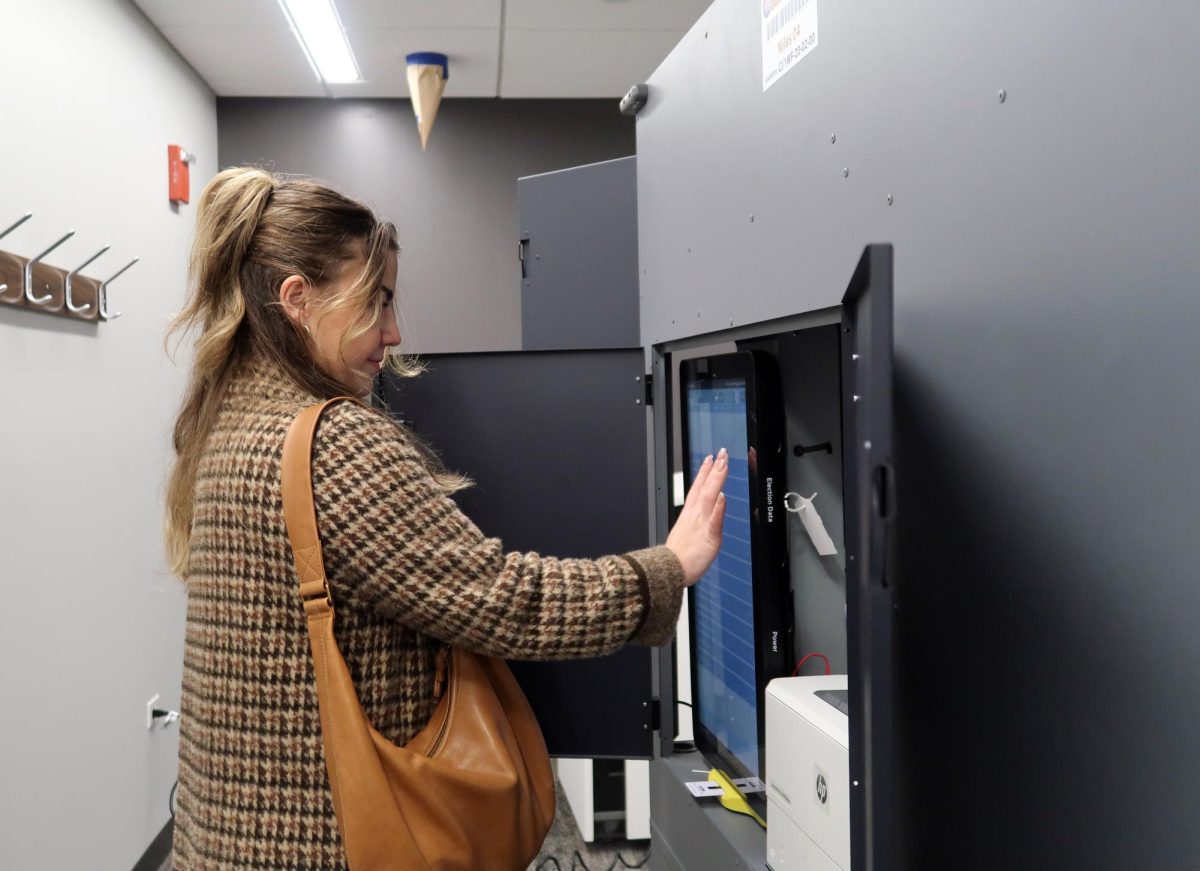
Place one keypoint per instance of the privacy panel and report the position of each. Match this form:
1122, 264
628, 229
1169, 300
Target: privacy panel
555, 443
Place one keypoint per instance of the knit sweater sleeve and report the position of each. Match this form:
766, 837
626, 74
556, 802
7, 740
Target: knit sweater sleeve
396, 542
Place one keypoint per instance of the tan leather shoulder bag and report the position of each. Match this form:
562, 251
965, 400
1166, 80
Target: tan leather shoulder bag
473, 790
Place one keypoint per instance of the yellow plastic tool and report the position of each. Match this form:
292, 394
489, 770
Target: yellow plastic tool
732, 798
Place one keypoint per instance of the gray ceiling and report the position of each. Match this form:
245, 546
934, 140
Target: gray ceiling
504, 48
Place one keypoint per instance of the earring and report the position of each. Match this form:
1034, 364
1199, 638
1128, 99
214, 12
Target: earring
306, 329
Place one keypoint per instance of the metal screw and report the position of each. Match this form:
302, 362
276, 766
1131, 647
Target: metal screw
856, 398
832, 138
1003, 95
854, 356
845, 172
637, 378
637, 401
889, 199
867, 445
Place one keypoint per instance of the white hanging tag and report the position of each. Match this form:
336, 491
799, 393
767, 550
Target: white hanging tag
750, 785
707, 788
703, 788
812, 522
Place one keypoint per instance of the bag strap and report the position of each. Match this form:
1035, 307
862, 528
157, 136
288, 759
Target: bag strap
299, 512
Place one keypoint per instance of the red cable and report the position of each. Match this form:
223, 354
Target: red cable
807, 657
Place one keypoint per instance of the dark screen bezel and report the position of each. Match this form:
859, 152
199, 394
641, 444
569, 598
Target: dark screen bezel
771, 593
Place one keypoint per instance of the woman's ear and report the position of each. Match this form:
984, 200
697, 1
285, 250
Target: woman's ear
293, 296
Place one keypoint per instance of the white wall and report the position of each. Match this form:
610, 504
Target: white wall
93, 623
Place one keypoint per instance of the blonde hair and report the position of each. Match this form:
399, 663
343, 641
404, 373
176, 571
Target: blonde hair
253, 230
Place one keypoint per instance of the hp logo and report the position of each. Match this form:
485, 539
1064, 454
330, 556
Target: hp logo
822, 789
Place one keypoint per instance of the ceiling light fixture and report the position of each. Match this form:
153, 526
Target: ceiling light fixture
320, 33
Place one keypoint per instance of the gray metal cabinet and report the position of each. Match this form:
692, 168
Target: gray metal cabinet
578, 251
1034, 166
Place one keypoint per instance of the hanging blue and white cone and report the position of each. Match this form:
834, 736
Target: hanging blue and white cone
427, 74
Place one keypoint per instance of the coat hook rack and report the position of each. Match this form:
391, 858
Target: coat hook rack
34, 285
822, 448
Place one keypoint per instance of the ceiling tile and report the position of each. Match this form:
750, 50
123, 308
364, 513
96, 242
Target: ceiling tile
269, 56
474, 61
566, 63
678, 15
416, 14
213, 13
258, 87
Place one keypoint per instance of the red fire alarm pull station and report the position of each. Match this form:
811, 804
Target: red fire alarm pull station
178, 183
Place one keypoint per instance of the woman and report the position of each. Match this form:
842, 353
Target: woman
291, 298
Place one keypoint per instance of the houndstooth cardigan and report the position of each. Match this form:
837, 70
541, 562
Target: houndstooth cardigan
408, 571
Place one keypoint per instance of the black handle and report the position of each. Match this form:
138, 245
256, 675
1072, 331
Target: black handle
823, 447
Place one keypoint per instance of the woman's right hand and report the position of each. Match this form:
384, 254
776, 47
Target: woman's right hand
696, 536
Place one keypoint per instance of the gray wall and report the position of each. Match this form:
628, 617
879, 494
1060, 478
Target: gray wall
93, 622
1047, 405
455, 205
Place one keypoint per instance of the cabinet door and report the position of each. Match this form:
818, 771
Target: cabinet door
556, 445
579, 263
870, 500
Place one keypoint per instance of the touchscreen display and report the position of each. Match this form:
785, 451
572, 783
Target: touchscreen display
724, 610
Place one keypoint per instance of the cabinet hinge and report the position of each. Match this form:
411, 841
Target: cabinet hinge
648, 380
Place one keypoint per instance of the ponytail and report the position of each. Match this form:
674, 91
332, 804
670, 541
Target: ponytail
227, 218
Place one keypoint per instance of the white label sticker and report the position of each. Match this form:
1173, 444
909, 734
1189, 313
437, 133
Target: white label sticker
678, 489
789, 32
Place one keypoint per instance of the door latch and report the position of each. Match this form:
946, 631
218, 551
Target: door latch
522, 246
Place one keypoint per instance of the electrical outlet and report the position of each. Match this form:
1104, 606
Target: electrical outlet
150, 712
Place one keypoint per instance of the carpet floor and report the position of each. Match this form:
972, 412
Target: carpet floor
565, 849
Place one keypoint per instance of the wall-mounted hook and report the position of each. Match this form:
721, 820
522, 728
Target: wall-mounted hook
40, 300
12, 227
105, 314
5, 232
86, 307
